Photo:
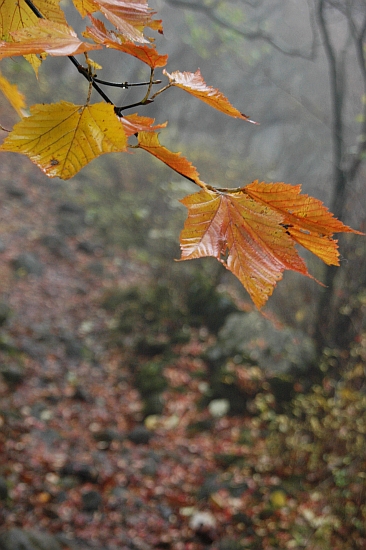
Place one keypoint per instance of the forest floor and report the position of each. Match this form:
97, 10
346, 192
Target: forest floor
77, 455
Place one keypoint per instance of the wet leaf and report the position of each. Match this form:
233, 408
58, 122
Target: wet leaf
129, 17
150, 143
194, 84
17, 15
46, 36
62, 137
146, 54
253, 232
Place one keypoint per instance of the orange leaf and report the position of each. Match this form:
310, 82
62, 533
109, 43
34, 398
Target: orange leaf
194, 84
246, 236
17, 15
130, 17
146, 54
150, 143
46, 36
253, 232
307, 220
135, 123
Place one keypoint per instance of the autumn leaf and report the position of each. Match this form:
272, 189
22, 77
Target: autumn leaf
130, 17
17, 15
46, 36
246, 236
13, 95
253, 232
194, 84
307, 220
85, 7
135, 123
146, 54
150, 143
62, 137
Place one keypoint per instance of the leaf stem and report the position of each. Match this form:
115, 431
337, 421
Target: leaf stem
161, 90
146, 98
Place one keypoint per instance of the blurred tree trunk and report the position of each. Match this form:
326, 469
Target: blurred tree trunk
345, 170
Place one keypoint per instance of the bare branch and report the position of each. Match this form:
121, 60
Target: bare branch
258, 34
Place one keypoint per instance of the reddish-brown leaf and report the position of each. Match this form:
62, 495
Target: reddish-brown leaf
146, 54
132, 124
253, 232
246, 236
194, 84
307, 220
150, 143
130, 17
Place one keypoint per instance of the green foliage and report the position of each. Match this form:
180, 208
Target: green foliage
323, 442
149, 378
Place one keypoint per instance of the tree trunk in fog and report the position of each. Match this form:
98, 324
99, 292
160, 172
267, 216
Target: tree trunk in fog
327, 326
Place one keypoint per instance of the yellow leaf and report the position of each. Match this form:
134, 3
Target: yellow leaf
46, 36
16, 15
278, 499
35, 61
12, 94
85, 7
194, 84
62, 138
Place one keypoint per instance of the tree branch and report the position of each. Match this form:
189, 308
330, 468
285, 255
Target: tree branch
259, 34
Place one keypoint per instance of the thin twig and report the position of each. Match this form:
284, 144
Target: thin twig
123, 85
258, 34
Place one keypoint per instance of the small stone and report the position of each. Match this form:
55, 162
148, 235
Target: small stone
28, 263
3, 489
5, 312
18, 539
219, 407
92, 500
13, 375
57, 246
140, 435
87, 247
84, 472
150, 468
15, 192
71, 208
200, 519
